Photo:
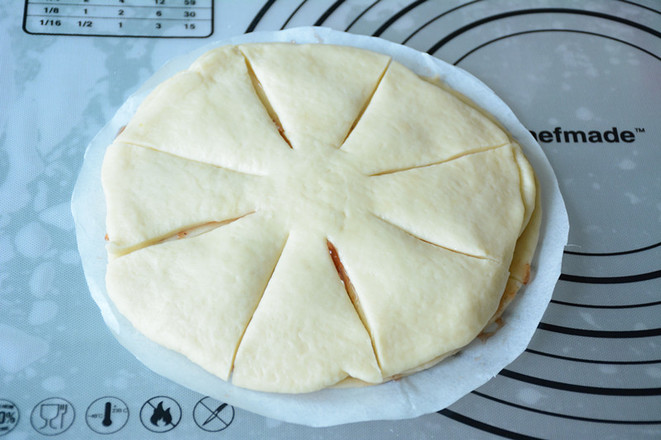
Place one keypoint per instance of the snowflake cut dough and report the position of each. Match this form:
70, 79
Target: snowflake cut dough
295, 217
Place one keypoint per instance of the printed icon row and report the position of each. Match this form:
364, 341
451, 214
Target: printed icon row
108, 415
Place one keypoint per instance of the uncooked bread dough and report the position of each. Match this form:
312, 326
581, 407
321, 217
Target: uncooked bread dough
294, 217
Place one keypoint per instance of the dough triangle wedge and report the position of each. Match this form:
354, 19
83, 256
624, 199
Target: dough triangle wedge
318, 91
420, 307
411, 122
471, 205
185, 294
135, 178
305, 335
216, 117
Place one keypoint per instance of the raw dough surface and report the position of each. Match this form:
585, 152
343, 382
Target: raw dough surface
359, 222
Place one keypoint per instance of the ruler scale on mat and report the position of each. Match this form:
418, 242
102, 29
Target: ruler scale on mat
120, 18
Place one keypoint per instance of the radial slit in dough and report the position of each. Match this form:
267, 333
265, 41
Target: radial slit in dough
318, 91
190, 292
411, 122
305, 334
315, 263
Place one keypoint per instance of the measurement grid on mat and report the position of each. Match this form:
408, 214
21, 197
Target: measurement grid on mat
134, 18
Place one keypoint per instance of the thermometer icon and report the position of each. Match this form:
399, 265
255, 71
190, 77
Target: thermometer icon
107, 421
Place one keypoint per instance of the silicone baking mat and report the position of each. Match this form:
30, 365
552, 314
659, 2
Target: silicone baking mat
582, 76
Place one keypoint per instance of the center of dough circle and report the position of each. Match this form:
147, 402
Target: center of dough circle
318, 189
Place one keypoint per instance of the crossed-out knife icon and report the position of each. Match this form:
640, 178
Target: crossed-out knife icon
214, 414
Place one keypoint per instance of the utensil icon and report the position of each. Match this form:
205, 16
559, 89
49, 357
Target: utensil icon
61, 411
48, 412
52, 416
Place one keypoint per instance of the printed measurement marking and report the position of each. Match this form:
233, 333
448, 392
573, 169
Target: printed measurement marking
121, 18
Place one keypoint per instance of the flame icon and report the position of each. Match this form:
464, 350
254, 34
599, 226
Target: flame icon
161, 414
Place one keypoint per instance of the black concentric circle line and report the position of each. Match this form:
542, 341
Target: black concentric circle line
515, 34
640, 6
584, 389
566, 416
491, 18
606, 334
591, 361
292, 14
612, 254
594, 254
611, 280
608, 307
549, 384
359, 16
400, 14
436, 18
267, 5
260, 14
328, 12
484, 426
396, 17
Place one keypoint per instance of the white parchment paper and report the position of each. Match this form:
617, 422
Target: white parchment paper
424, 392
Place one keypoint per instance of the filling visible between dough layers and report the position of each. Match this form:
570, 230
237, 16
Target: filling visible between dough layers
293, 217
